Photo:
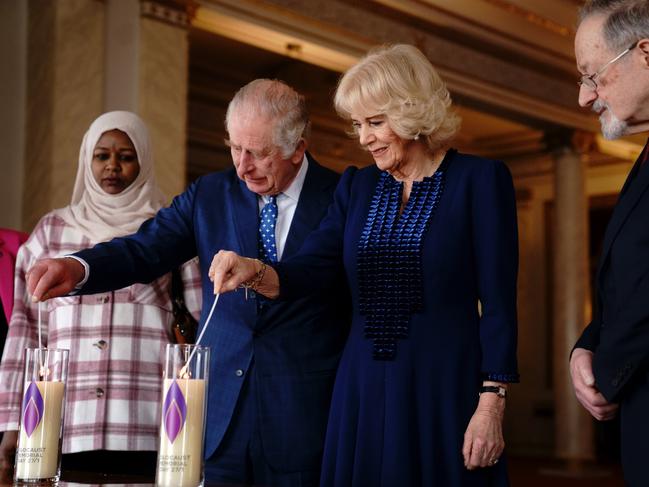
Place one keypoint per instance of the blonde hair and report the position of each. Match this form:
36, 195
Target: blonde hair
399, 82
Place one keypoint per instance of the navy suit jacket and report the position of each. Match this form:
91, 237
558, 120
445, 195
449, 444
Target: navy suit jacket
619, 332
295, 345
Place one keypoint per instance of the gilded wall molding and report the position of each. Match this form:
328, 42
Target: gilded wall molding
347, 31
533, 18
173, 12
496, 24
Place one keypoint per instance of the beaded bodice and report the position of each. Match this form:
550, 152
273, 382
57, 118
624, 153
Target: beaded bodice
390, 270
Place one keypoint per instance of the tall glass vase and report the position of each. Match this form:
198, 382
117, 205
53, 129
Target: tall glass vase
184, 406
38, 455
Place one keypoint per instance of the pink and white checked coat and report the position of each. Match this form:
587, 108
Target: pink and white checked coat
116, 342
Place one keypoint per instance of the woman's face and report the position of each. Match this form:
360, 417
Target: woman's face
390, 152
114, 162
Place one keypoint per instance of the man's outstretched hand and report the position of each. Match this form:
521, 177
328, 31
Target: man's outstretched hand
51, 278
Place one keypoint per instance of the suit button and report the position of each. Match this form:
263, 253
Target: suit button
238, 373
251, 293
99, 392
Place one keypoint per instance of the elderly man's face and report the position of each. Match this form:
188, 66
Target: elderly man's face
621, 98
259, 163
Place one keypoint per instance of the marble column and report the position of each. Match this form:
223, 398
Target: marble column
146, 70
162, 89
63, 96
571, 284
121, 48
147, 53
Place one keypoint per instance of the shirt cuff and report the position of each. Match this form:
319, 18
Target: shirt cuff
86, 271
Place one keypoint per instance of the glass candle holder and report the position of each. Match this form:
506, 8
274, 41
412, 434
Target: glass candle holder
182, 425
38, 455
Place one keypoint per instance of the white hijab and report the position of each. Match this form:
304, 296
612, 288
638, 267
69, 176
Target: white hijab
101, 216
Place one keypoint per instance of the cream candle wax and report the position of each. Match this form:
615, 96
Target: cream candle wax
37, 455
182, 422
180, 459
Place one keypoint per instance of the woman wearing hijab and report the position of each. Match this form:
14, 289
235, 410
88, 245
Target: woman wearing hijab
115, 339
426, 234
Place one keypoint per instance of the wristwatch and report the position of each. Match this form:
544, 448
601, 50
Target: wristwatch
500, 391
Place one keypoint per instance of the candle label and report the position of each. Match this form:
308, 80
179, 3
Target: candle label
180, 458
38, 451
32, 408
174, 411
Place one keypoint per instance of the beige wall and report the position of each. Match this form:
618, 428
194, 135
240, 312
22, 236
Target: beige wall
13, 49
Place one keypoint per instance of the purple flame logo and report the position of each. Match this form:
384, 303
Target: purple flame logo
174, 411
32, 408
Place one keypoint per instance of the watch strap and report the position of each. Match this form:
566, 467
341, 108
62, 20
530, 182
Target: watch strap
500, 391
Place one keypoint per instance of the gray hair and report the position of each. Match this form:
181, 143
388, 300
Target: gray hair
281, 105
626, 20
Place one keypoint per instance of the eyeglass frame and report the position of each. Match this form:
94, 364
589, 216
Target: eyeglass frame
588, 80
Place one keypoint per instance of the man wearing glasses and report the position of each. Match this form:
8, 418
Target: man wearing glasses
610, 362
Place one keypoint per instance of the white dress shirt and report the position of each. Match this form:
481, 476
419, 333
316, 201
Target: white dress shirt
286, 205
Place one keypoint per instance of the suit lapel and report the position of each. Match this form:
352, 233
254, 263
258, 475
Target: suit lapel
634, 187
245, 212
309, 208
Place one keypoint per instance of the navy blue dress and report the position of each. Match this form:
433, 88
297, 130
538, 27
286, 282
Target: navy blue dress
419, 347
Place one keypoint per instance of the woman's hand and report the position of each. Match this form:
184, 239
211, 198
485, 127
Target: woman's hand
230, 271
483, 439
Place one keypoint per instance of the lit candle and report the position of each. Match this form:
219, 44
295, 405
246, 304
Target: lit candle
37, 455
180, 459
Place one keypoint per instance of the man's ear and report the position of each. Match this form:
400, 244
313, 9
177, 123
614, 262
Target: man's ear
298, 155
643, 47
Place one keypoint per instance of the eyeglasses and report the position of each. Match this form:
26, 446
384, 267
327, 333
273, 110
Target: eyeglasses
588, 80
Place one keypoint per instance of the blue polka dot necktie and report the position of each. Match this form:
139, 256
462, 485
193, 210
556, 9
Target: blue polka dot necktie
267, 222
